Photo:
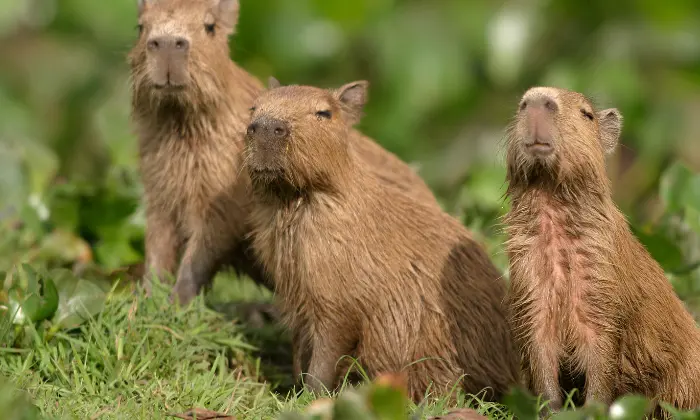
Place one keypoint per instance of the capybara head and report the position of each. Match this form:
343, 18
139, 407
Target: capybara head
558, 135
298, 135
181, 45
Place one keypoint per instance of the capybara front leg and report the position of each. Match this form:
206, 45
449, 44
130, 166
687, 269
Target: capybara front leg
162, 248
199, 264
600, 372
544, 373
329, 346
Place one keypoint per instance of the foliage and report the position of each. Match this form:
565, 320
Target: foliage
133, 357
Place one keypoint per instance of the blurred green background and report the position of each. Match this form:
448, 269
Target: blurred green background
445, 77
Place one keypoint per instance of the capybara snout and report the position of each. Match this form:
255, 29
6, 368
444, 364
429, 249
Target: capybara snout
267, 138
268, 129
168, 61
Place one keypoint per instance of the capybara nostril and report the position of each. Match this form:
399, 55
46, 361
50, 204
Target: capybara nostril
182, 44
168, 43
279, 130
252, 128
551, 105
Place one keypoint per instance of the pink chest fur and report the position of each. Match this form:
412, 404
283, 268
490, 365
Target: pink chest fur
561, 281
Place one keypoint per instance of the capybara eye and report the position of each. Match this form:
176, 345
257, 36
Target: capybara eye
587, 114
139, 27
324, 114
252, 109
523, 105
210, 28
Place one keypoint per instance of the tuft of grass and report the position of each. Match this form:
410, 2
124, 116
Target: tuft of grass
140, 358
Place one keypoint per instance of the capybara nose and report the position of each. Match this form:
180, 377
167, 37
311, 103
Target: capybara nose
168, 44
269, 127
537, 99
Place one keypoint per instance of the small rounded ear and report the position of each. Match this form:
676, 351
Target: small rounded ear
143, 5
273, 83
353, 96
226, 12
610, 128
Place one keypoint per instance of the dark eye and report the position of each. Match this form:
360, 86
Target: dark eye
324, 114
252, 109
587, 114
139, 27
210, 28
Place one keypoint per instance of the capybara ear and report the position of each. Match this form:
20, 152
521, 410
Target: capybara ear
143, 5
610, 127
273, 83
227, 14
353, 97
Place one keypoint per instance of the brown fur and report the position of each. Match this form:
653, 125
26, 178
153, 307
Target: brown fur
586, 297
362, 269
190, 141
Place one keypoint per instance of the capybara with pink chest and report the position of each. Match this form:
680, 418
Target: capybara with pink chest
586, 298
190, 107
362, 269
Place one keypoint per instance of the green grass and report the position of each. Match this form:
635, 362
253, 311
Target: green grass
142, 358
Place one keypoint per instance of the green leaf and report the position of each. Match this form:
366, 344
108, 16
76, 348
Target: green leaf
34, 294
594, 410
388, 402
321, 409
15, 405
522, 404
351, 405
692, 217
677, 414
629, 407
569, 415
64, 246
79, 299
680, 187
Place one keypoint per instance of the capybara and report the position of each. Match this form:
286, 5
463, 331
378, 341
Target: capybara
190, 106
586, 298
362, 269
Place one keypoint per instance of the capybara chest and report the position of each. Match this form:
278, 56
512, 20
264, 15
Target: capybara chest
554, 281
190, 180
305, 255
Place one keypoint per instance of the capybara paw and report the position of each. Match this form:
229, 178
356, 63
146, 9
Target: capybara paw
182, 295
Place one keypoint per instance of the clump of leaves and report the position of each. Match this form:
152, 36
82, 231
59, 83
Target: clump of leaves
39, 302
384, 399
628, 407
